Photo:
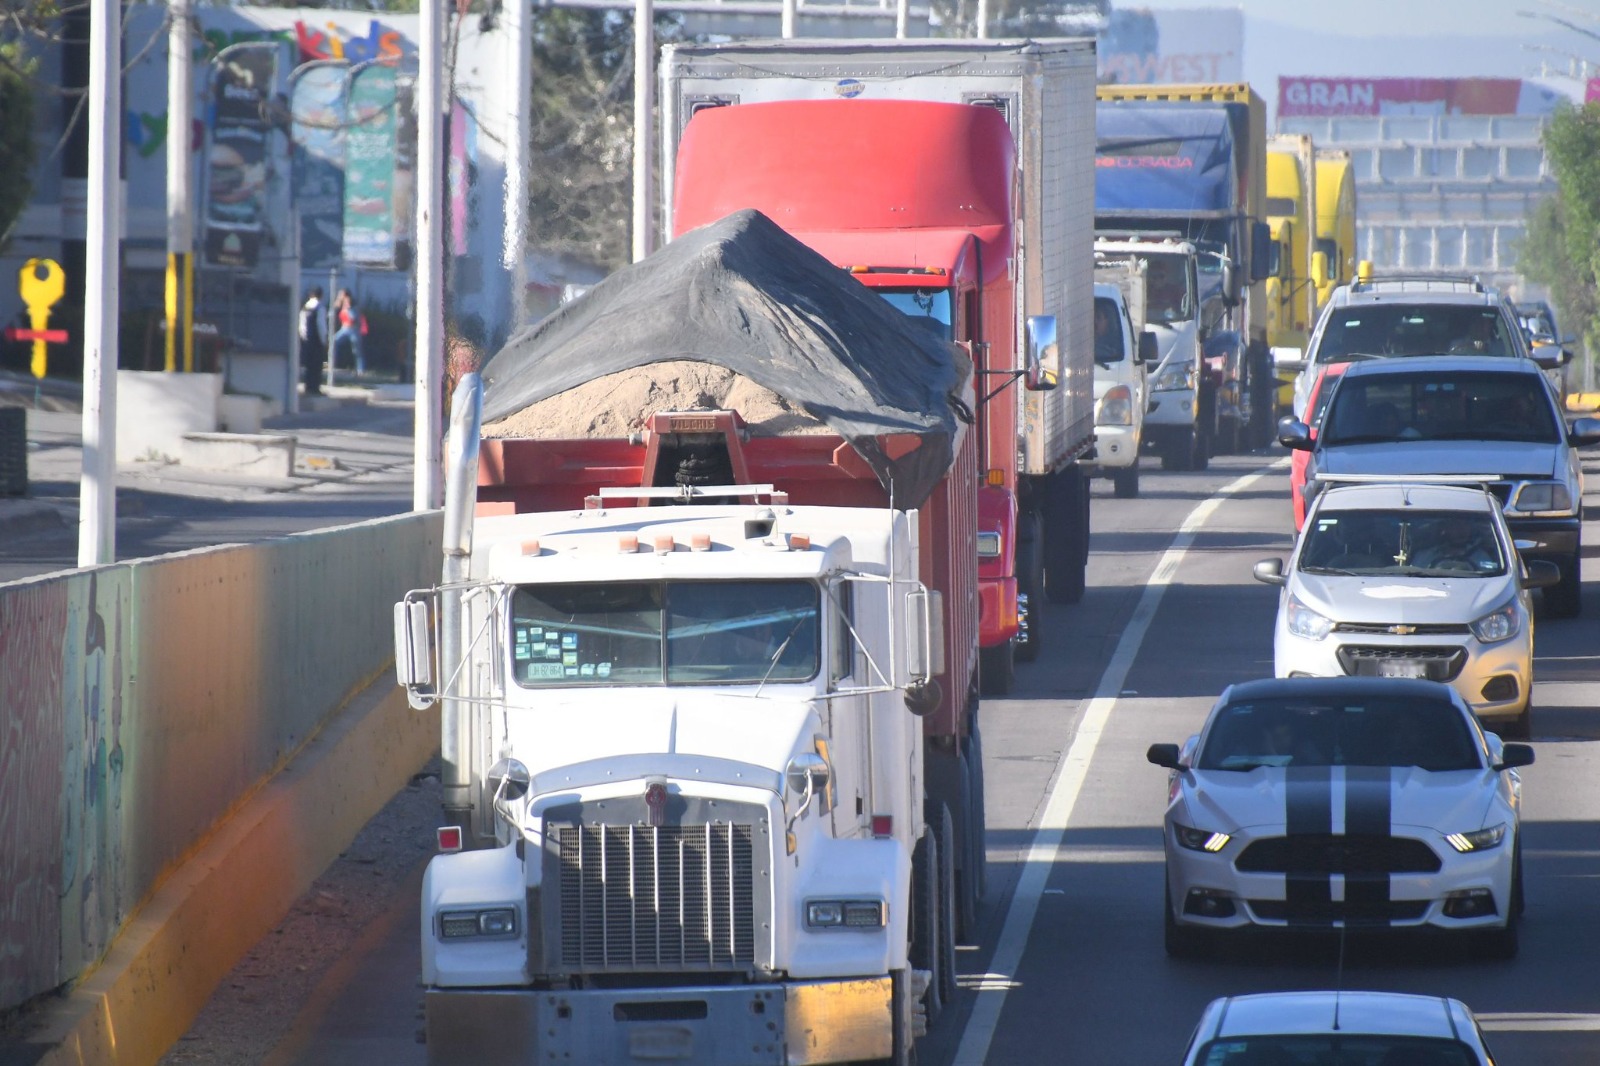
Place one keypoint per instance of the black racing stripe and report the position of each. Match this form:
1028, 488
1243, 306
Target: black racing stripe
1367, 810
1308, 809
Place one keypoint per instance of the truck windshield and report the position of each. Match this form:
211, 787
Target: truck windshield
929, 308
1169, 293
659, 633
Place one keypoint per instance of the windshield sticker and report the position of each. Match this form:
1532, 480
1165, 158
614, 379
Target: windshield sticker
604, 669
569, 640
569, 658
586, 670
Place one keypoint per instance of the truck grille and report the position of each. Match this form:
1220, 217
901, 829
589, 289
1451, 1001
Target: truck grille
667, 897
1330, 853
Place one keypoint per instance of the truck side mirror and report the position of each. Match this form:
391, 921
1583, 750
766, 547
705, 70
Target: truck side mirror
413, 648
1260, 251
1149, 352
925, 649
1319, 269
1040, 374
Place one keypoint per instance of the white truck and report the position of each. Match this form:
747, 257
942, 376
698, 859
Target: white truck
1123, 348
686, 809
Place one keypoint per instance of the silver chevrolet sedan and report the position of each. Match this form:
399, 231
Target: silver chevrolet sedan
1411, 579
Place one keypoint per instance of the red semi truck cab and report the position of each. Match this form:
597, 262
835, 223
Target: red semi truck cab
916, 200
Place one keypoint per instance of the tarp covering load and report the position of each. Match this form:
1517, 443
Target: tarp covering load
743, 295
1152, 160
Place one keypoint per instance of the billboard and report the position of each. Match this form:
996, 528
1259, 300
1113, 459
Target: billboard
1141, 46
369, 177
1322, 97
237, 156
316, 112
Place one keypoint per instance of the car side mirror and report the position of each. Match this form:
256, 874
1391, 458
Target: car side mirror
1584, 432
1164, 755
1040, 374
1542, 574
1260, 251
1149, 353
1515, 755
1319, 269
1549, 357
1270, 571
1294, 434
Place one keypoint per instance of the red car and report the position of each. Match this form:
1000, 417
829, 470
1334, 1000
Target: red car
1316, 404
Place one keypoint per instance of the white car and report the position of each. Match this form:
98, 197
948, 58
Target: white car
1411, 580
1320, 803
1296, 1028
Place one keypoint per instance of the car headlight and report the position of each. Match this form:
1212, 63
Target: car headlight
846, 913
1538, 497
1482, 840
487, 922
1178, 374
1199, 839
1116, 407
1502, 623
1304, 622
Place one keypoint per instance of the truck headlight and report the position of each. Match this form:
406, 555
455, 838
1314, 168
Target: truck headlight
1502, 623
1199, 839
1482, 840
489, 922
988, 544
846, 913
1116, 407
1302, 621
1543, 496
1174, 375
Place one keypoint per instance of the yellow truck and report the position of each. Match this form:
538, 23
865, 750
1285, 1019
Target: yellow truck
1292, 283
1336, 220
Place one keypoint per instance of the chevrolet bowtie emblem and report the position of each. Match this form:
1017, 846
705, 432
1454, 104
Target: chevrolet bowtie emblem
1402, 631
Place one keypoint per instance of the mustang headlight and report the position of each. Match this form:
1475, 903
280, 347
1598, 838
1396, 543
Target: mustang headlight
486, 923
1502, 623
1482, 840
1539, 497
846, 913
1174, 375
1116, 407
1199, 839
1304, 622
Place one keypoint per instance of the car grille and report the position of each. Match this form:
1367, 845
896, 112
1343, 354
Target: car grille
1326, 912
1329, 853
1441, 663
1379, 629
679, 897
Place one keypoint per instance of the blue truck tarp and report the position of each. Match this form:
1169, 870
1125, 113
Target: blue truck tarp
1153, 161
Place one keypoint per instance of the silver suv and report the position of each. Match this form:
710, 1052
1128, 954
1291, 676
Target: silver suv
1402, 315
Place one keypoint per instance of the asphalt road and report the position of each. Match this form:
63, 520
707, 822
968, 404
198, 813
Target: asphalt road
1070, 968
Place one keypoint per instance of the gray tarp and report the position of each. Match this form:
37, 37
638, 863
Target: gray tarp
743, 294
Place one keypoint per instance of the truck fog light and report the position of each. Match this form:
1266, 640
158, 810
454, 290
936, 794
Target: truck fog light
1473, 903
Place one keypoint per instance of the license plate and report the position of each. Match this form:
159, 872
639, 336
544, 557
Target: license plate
1402, 668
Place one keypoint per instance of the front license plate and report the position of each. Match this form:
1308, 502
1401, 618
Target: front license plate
1402, 668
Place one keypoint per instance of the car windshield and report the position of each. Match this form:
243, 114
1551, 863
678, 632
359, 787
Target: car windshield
1357, 731
1403, 542
1336, 1049
1107, 331
655, 633
929, 308
1169, 296
1380, 329
1382, 408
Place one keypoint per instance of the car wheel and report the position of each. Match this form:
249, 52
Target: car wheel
1519, 898
1125, 483
1520, 727
1566, 599
997, 669
1181, 941
1497, 945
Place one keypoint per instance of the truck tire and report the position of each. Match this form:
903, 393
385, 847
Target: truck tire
944, 831
1066, 536
902, 1010
1179, 450
927, 907
972, 777
1125, 483
971, 874
997, 668
1206, 430
1030, 583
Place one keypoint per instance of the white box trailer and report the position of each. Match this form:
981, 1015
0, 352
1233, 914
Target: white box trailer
1045, 88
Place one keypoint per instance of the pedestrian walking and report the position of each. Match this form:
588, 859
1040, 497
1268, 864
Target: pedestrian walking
313, 347
352, 327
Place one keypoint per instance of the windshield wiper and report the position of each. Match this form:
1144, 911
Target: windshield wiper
1327, 570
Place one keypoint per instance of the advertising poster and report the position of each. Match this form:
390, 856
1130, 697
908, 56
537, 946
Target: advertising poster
1321, 97
369, 177
237, 154
317, 117
1140, 46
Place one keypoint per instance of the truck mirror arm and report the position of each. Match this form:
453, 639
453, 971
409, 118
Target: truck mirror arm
1011, 376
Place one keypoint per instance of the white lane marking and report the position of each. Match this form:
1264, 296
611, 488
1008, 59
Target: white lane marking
1046, 844
1540, 1023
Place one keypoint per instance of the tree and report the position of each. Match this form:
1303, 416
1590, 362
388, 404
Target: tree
1562, 247
16, 136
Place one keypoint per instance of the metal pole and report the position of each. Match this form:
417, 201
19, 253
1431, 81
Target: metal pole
790, 11
983, 19
644, 47
519, 77
331, 324
427, 484
97, 509
180, 161
902, 17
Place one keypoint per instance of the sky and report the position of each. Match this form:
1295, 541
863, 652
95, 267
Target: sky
1415, 18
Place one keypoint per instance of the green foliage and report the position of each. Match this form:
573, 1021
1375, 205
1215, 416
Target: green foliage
1562, 246
16, 136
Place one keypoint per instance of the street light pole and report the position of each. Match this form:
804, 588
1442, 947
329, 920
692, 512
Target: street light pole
180, 218
97, 509
427, 489
644, 44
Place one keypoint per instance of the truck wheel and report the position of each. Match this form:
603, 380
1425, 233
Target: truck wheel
926, 908
1178, 450
903, 1010
1206, 430
971, 873
1066, 536
978, 819
1125, 483
1030, 583
944, 832
1566, 599
997, 668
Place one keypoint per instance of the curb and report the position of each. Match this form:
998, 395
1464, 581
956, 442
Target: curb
235, 888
